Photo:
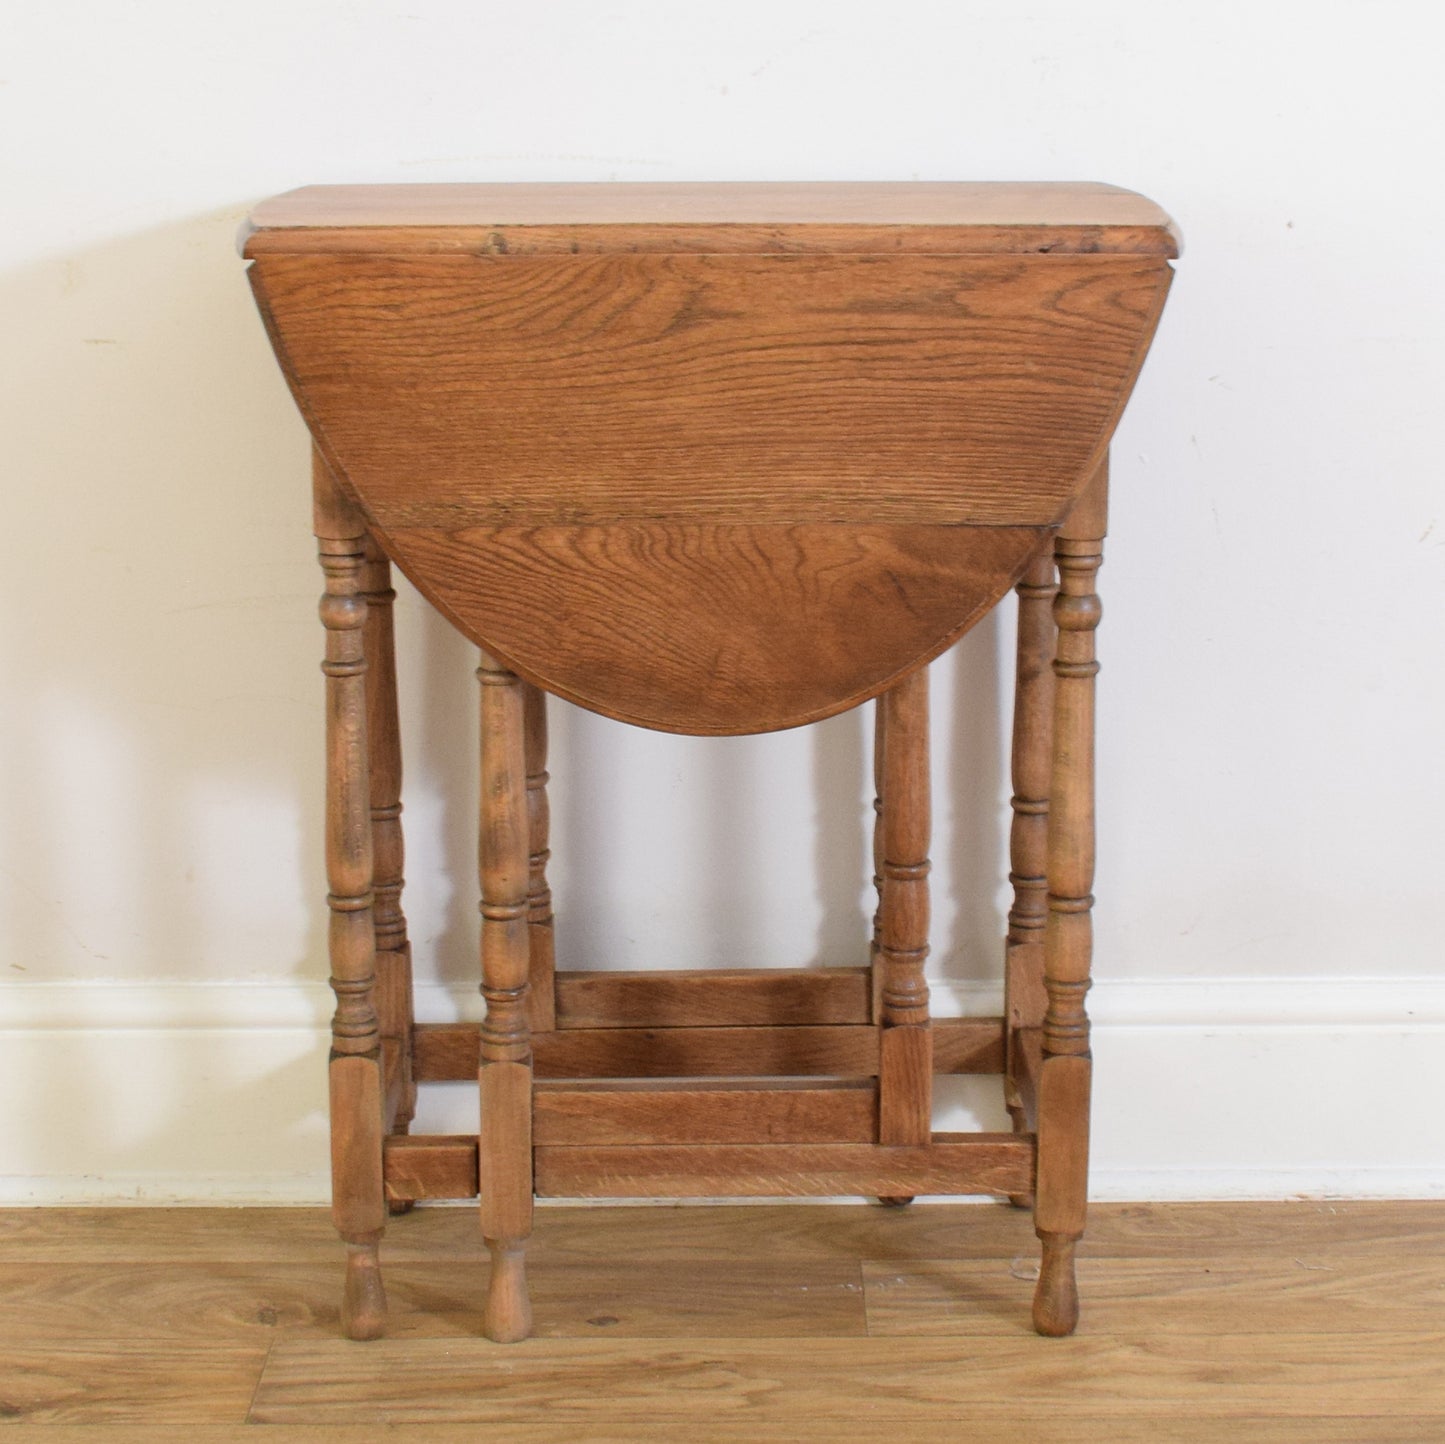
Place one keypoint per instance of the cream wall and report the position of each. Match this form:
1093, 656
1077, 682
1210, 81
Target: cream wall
1270, 1002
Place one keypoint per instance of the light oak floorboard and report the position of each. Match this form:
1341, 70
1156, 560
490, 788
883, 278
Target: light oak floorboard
707, 1298
1290, 1321
1134, 1428
790, 1230
1317, 1293
127, 1380
895, 1381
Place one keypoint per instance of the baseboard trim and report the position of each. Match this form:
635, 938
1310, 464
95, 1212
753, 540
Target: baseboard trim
214, 1093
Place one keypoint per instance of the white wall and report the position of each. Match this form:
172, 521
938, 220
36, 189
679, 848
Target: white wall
1270, 1002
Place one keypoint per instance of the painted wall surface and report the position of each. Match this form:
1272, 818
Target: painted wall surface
1273, 697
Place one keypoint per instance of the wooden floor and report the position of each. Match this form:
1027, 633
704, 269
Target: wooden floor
1241, 1322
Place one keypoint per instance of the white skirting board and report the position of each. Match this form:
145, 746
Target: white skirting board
1230, 1089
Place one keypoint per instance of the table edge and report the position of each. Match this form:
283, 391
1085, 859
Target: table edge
647, 219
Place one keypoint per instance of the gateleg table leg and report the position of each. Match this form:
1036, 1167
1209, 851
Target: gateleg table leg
905, 1063
394, 1004
1066, 1073
1032, 762
357, 1198
505, 1075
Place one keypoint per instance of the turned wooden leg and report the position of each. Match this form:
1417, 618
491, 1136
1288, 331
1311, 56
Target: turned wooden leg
1028, 837
541, 997
905, 1064
875, 952
357, 1202
506, 1048
1065, 1074
393, 951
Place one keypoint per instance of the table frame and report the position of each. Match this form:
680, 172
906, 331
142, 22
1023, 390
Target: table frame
683, 1084
710, 459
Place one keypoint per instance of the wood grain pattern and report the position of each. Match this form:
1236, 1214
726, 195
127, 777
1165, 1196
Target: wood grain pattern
710, 473
1333, 1232
215, 1301
116, 1380
1036, 1426
448, 1052
1232, 1307
430, 1166
709, 470
1156, 1298
822, 216
905, 1083
967, 1045
839, 1051
358, 1198
694, 1298
226, 1304
712, 997
731, 1111
700, 1298
728, 389
1026, 1060
1232, 1380
504, 1154
952, 1163
709, 628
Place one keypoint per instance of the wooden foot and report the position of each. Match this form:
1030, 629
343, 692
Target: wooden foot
896, 1202
398, 1206
508, 1315
363, 1299
1056, 1297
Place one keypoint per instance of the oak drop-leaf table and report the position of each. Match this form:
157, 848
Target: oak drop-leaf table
711, 459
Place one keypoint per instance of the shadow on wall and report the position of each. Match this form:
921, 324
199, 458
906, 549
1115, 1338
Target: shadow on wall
160, 820
757, 851
163, 784
164, 648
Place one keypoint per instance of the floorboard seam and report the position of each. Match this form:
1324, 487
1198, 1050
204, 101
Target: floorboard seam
260, 1375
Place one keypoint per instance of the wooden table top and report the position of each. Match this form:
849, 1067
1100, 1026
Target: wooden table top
955, 218
712, 458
